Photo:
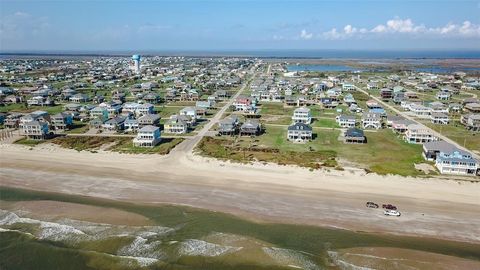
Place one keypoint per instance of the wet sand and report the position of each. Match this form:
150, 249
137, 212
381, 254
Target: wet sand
267, 193
383, 258
52, 210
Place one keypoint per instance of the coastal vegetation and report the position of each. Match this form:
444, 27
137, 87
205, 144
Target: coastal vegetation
384, 154
114, 144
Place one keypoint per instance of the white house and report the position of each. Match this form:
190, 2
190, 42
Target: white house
348, 87
419, 110
130, 107
299, 132
36, 130
457, 162
131, 124
302, 115
439, 118
418, 134
371, 120
346, 121
189, 111
148, 136
144, 109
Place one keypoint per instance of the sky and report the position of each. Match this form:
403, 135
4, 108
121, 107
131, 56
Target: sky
95, 25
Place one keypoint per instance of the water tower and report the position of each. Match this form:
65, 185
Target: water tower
136, 63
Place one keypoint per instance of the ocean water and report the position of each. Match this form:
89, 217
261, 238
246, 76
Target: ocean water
345, 68
184, 238
328, 54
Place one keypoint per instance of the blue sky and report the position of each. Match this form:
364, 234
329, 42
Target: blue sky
238, 25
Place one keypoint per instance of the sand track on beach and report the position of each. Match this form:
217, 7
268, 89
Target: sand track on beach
430, 207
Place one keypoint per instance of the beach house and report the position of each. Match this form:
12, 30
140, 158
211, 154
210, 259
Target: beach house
99, 112
144, 109
241, 103
457, 162
432, 149
229, 125
114, 124
354, 135
147, 136
250, 128
302, 115
175, 125
61, 121
471, 121
346, 121
148, 120
299, 132
79, 98
371, 120
189, 111
131, 124
439, 118
418, 134
35, 130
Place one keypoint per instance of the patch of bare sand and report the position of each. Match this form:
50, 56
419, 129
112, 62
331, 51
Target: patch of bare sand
399, 259
55, 210
425, 167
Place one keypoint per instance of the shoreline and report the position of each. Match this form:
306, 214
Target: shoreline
435, 208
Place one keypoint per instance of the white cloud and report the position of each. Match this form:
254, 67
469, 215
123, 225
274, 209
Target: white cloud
349, 30
22, 26
406, 27
305, 35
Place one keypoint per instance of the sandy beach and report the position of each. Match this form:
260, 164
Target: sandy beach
266, 193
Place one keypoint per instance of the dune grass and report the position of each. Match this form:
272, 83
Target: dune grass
385, 152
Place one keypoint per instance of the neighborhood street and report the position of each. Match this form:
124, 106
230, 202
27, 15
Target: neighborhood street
406, 116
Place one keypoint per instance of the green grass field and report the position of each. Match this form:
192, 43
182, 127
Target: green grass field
275, 108
385, 152
457, 132
20, 107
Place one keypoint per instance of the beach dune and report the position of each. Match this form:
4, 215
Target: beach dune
262, 192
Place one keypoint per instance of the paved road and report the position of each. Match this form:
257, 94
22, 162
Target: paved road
187, 146
405, 115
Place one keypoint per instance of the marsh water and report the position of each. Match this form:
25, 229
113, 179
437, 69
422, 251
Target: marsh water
178, 237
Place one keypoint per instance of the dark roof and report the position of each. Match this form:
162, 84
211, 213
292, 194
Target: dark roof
300, 126
440, 146
354, 132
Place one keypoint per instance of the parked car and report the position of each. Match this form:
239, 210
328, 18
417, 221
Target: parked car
394, 213
389, 207
372, 205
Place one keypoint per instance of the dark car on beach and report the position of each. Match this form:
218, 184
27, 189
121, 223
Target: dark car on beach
372, 205
389, 207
